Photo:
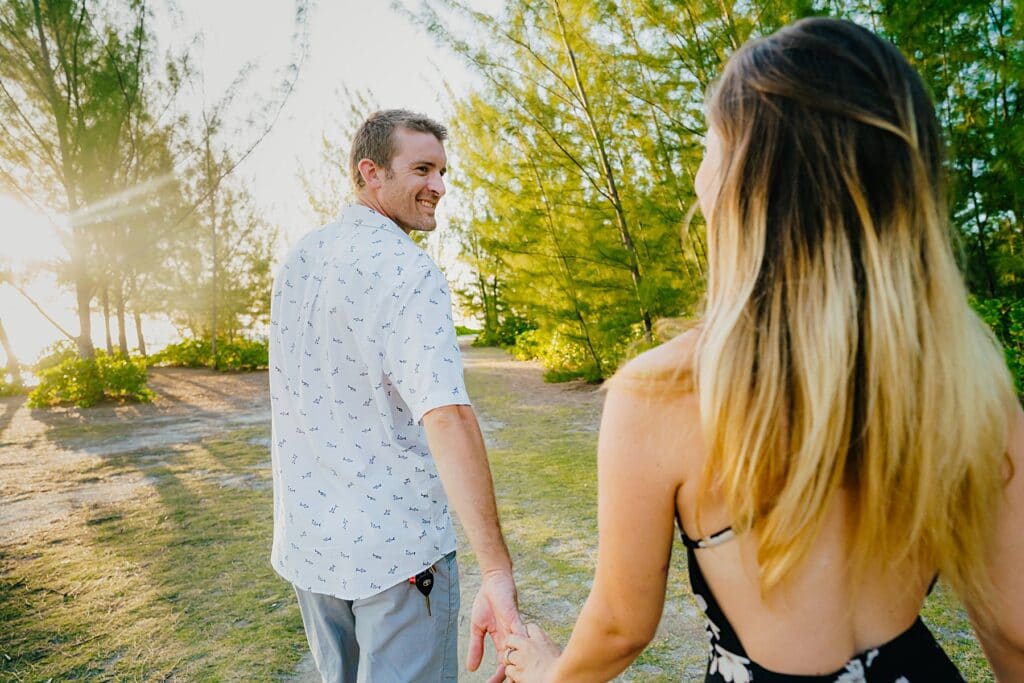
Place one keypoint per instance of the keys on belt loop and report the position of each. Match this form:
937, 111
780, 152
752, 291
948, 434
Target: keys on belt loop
424, 582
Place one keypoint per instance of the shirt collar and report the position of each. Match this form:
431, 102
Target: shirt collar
358, 215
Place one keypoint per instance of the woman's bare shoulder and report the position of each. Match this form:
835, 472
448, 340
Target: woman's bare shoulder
665, 369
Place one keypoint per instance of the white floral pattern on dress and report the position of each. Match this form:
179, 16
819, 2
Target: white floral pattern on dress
730, 665
713, 631
854, 673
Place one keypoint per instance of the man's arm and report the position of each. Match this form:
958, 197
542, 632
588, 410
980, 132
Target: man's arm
461, 458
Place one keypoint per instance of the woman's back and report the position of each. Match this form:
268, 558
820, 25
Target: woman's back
818, 620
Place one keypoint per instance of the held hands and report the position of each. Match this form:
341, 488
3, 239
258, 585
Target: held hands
495, 612
530, 659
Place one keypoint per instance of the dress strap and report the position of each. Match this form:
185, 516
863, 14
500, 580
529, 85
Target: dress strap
726, 534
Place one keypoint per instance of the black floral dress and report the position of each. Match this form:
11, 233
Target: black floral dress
911, 657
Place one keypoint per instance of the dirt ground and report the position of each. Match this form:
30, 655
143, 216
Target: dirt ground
43, 452
37, 447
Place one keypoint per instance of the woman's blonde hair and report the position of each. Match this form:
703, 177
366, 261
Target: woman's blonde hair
838, 350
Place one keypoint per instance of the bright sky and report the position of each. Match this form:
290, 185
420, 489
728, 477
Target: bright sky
363, 45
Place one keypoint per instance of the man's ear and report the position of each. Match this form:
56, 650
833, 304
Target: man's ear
372, 174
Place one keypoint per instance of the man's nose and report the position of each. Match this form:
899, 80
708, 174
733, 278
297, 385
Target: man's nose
437, 185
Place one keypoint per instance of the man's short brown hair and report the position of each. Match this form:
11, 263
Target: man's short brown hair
375, 139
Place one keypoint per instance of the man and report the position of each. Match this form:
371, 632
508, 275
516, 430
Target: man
373, 433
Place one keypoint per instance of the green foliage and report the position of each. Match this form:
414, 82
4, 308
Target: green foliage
84, 383
237, 354
55, 354
243, 354
1005, 316
506, 333
567, 358
13, 387
462, 330
577, 153
190, 353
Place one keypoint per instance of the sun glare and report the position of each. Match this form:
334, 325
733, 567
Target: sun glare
28, 237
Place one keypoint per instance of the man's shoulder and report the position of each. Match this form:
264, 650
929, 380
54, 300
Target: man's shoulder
317, 240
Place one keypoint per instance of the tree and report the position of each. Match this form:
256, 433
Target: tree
85, 136
327, 183
61, 102
13, 367
578, 155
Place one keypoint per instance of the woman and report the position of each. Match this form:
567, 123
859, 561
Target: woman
840, 429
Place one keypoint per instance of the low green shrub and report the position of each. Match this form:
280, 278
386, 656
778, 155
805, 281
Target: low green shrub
507, 334
243, 354
189, 353
11, 387
463, 330
564, 358
529, 345
237, 354
85, 383
55, 354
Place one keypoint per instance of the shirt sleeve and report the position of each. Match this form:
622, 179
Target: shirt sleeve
421, 351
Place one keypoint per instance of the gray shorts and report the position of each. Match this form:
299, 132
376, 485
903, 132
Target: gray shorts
388, 637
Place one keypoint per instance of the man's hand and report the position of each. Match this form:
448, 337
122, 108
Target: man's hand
495, 612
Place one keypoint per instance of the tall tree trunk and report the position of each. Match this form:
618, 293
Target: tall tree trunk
105, 300
213, 235
138, 333
490, 307
122, 331
13, 367
79, 239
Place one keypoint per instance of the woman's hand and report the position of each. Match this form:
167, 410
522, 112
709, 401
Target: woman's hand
530, 659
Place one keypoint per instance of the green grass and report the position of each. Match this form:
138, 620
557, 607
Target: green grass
545, 472
948, 620
174, 582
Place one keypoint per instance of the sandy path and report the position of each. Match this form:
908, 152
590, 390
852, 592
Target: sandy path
43, 452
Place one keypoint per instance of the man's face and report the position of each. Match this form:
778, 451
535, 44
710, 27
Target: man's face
410, 191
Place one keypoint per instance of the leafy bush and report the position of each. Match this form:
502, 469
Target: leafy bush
529, 345
11, 388
239, 354
463, 330
243, 354
56, 354
564, 358
190, 353
85, 383
1006, 318
507, 334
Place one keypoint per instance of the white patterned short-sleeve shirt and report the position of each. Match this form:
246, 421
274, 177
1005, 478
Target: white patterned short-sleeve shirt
362, 345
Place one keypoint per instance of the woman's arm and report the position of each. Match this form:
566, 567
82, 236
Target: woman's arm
1003, 640
639, 474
